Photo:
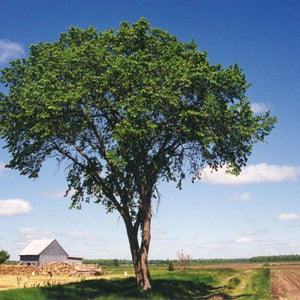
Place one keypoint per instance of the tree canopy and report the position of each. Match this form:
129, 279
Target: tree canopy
126, 109
4, 256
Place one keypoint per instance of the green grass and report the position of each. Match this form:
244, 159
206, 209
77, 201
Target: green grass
259, 285
195, 284
112, 289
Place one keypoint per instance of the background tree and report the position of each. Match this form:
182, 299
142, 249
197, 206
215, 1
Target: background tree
183, 260
171, 266
4, 256
126, 109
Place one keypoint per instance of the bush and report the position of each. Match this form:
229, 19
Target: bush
233, 282
115, 262
171, 266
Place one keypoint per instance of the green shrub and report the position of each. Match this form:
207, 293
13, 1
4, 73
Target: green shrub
171, 266
4, 256
233, 282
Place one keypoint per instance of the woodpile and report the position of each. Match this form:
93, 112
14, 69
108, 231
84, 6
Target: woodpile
17, 270
53, 269
89, 270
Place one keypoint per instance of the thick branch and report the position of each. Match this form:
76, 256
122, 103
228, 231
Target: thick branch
106, 190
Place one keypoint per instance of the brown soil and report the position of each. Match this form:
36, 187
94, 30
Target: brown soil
237, 266
286, 282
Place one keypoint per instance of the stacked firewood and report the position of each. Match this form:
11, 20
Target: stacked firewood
89, 270
17, 270
53, 269
70, 269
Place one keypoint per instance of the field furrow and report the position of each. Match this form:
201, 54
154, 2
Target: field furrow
286, 283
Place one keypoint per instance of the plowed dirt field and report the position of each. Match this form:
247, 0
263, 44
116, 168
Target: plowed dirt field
286, 282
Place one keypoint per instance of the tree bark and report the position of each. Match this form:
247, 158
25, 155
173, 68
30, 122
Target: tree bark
139, 253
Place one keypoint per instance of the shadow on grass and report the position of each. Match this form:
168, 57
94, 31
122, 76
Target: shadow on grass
122, 289
126, 289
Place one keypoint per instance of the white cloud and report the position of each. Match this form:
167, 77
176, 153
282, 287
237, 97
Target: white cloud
257, 232
14, 207
35, 233
242, 197
251, 174
212, 246
2, 168
9, 50
259, 107
244, 240
81, 235
58, 194
287, 217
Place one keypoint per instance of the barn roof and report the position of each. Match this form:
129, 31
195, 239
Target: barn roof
35, 247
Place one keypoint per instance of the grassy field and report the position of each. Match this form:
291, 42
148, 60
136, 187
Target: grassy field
196, 283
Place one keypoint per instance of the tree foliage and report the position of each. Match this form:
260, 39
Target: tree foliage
4, 256
126, 109
275, 258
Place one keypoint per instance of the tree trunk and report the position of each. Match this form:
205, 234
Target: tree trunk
140, 253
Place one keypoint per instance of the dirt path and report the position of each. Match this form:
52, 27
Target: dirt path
286, 283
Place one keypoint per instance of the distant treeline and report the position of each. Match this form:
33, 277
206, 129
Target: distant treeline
107, 262
291, 257
118, 262
262, 259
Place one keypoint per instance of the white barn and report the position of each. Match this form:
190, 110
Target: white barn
38, 252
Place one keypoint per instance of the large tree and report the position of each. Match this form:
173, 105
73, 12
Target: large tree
126, 109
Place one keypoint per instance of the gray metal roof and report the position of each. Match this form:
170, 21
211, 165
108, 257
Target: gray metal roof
35, 247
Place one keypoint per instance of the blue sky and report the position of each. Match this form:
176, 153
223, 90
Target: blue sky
255, 214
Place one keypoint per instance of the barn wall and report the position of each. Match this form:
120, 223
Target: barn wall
52, 258
29, 260
53, 253
74, 260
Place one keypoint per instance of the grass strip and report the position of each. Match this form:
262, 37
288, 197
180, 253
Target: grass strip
259, 286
